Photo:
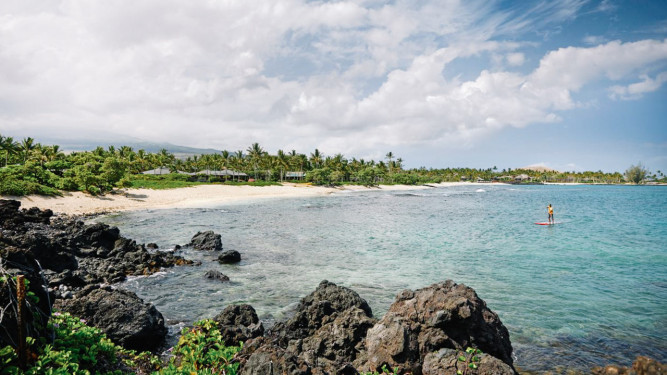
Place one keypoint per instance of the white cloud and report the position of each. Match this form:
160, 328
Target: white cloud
516, 59
351, 78
635, 90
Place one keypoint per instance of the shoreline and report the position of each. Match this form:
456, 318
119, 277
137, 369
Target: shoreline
78, 203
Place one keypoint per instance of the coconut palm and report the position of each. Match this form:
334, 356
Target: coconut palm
26, 146
316, 159
255, 152
283, 162
10, 147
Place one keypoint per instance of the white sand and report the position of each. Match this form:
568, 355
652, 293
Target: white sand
77, 203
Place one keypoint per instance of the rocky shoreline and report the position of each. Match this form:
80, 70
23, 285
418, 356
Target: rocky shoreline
71, 266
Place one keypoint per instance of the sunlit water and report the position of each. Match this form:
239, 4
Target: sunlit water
591, 290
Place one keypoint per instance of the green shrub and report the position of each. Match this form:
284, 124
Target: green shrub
200, 351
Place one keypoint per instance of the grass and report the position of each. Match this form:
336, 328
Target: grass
175, 181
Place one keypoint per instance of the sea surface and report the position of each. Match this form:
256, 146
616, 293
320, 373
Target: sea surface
590, 290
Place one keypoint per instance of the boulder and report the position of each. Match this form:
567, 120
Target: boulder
267, 358
120, 314
319, 308
216, 275
239, 323
442, 316
325, 335
446, 361
229, 256
207, 240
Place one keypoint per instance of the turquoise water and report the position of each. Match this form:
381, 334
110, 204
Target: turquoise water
591, 290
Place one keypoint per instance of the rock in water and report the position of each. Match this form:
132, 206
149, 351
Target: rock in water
120, 314
641, 366
206, 241
239, 323
444, 315
216, 275
229, 256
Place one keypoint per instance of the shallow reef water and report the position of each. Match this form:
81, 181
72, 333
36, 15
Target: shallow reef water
590, 290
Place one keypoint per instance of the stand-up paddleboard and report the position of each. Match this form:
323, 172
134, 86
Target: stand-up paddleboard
547, 223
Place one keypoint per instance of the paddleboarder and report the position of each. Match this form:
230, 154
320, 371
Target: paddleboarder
550, 211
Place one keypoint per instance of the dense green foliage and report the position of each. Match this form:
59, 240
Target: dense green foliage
32, 168
636, 173
76, 349
200, 350
79, 349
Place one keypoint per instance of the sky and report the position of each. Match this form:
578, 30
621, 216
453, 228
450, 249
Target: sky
570, 84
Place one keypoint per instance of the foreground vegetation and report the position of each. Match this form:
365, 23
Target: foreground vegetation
32, 168
79, 349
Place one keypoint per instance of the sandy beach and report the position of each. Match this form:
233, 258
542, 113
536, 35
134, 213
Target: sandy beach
78, 203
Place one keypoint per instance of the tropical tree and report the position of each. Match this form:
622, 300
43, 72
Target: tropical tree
316, 159
9, 146
26, 146
283, 162
255, 152
636, 173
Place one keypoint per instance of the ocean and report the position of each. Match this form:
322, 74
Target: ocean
590, 290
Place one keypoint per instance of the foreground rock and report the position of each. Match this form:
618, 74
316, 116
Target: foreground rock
72, 253
446, 361
60, 256
120, 314
424, 332
239, 323
207, 240
324, 336
442, 316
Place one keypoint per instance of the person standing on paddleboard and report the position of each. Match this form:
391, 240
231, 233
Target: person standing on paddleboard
550, 211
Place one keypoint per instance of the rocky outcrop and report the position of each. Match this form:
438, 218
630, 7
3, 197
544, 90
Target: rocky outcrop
641, 366
229, 256
72, 253
325, 335
207, 240
239, 323
216, 275
442, 316
59, 256
446, 361
120, 314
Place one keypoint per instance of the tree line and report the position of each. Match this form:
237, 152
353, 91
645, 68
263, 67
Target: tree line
29, 167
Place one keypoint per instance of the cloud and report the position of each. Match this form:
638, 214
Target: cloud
516, 59
344, 76
634, 91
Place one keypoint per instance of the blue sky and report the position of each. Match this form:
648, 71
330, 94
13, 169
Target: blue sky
569, 84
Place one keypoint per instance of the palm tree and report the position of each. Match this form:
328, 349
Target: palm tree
255, 152
390, 157
316, 159
283, 162
26, 146
8, 145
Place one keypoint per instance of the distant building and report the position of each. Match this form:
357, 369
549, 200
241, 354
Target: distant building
295, 175
161, 170
225, 174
